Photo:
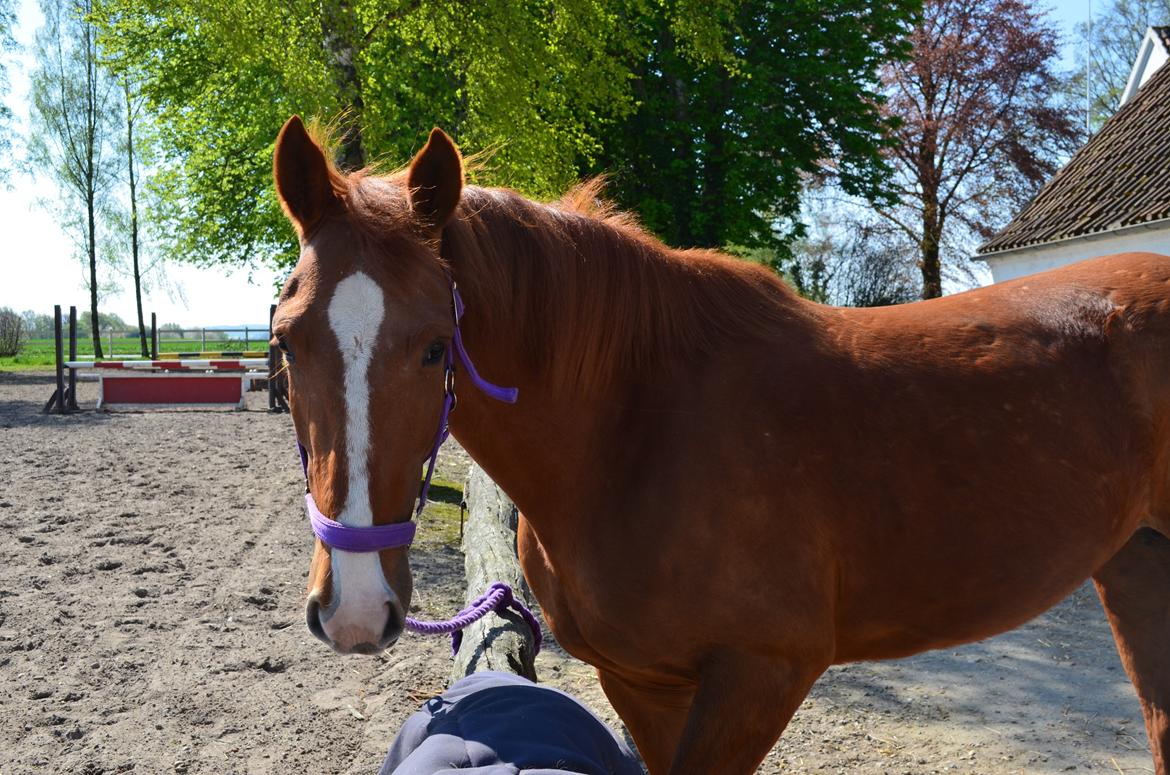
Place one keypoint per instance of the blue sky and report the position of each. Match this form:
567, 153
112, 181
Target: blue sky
1069, 13
39, 265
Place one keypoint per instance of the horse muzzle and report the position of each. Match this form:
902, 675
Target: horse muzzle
364, 629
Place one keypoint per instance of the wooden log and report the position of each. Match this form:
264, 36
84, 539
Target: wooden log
496, 642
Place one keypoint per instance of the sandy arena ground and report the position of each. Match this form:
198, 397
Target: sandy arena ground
151, 582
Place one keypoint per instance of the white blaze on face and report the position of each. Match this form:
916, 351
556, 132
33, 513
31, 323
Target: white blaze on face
357, 613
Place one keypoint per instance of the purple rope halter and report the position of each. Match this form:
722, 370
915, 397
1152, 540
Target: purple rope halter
336, 535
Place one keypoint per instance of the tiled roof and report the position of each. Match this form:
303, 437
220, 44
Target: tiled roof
1121, 177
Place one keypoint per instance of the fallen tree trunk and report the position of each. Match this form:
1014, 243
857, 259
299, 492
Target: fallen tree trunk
504, 641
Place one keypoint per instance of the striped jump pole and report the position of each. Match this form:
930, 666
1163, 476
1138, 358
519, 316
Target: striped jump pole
201, 364
218, 354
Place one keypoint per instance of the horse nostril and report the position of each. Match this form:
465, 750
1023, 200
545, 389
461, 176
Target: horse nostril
313, 620
394, 625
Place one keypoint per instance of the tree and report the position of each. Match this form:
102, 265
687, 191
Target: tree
554, 89
221, 76
74, 114
849, 255
133, 107
1109, 48
7, 44
107, 321
12, 333
981, 123
723, 140
37, 325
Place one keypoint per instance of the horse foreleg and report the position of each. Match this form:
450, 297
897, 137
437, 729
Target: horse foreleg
1134, 587
742, 705
655, 717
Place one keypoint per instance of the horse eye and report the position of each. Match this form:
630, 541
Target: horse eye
283, 345
434, 354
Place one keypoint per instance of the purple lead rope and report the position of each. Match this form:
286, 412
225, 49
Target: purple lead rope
498, 598
334, 534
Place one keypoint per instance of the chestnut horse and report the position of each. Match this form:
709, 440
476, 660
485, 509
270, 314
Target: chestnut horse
725, 488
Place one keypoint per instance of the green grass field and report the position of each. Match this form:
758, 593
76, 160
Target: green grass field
37, 354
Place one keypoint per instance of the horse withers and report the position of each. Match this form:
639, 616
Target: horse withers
725, 488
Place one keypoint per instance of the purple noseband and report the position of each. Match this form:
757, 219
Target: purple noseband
357, 539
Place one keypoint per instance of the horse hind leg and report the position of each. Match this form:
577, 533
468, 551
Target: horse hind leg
1134, 587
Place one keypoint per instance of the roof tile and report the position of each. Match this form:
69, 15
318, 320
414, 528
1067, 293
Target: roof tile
1120, 177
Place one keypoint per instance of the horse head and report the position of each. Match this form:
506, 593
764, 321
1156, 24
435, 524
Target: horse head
365, 322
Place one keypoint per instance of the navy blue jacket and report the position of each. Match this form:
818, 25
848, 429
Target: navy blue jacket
501, 724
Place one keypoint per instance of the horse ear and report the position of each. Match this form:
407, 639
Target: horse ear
302, 176
436, 179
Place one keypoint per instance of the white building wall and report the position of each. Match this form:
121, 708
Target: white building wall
1158, 57
1018, 263
1151, 55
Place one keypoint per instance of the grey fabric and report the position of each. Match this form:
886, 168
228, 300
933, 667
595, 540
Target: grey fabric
501, 724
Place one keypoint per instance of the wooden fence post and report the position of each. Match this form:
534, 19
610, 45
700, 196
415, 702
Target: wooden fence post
153, 337
57, 402
489, 543
71, 401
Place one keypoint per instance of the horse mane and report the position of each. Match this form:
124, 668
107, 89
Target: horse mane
593, 295
582, 289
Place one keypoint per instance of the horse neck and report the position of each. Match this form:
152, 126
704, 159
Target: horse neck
587, 318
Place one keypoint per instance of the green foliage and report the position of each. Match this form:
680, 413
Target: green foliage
718, 149
707, 113
526, 81
213, 77
107, 321
37, 325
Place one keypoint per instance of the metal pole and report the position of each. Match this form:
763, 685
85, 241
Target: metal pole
203, 339
245, 337
153, 337
1089, 74
72, 402
111, 343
